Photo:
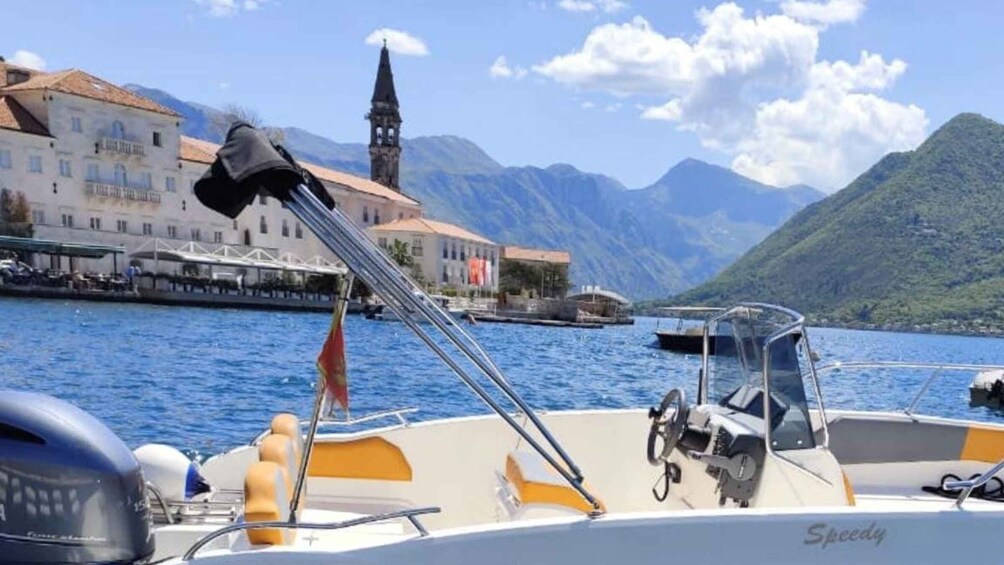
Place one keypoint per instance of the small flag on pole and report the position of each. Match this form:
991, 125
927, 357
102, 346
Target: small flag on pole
331, 365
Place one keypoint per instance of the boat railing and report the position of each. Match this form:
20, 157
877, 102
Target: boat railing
400, 414
411, 515
969, 485
937, 370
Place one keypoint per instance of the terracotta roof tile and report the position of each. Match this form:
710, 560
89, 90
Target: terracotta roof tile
79, 83
197, 150
13, 116
542, 255
425, 225
201, 151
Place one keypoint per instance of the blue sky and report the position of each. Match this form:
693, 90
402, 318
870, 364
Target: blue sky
780, 91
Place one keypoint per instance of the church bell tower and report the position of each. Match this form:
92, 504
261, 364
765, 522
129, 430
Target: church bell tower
385, 127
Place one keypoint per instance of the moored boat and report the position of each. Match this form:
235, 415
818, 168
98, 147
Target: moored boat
686, 331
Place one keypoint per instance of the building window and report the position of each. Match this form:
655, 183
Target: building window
382, 242
156, 139
172, 232
146, 180
196, 234
118, 130
262, 226
235, 225
285, 228
446, 251
169, 184
493, 258
416, 247
366, 214
298, 231
453, 252
263, 200
64, 168
92, 172
96, 224
463, 255
217, 237
400, 215
121, 179
5, 162
38, 216
121, 226
67, 220
446, 274
75, 124
376, 217
34, 164
147, 228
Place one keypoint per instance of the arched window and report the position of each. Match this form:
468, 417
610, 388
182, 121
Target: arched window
390, 136
121, 179
263, 225
379, 135
118, 130
247, 237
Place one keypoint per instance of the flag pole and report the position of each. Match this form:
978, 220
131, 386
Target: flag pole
341, 307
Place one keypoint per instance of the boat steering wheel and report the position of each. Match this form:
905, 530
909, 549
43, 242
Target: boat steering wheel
670, 430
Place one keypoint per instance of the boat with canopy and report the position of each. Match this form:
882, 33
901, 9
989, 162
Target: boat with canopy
750, 469
687, 334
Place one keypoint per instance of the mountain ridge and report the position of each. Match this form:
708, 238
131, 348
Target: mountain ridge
643, 242
915, 241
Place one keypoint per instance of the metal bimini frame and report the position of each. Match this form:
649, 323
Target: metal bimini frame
406, 299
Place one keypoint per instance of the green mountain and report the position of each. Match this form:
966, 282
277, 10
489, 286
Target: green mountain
916, 241
644, 243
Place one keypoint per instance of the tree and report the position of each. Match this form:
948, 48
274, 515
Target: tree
15, 214
399, 252
235, 113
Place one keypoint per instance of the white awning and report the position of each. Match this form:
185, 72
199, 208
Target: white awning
230, 256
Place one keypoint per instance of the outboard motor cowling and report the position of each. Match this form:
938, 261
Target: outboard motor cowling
70, 489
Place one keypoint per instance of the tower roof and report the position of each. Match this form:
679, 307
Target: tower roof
383, 90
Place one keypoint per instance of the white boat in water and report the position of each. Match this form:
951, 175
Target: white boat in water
752, 469
385, 314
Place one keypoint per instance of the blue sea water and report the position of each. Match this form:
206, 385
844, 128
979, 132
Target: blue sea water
206, 380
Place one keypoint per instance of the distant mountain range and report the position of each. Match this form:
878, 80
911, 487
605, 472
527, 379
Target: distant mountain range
916, 241
644, 243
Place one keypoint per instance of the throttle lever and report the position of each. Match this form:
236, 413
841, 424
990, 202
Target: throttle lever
740, 466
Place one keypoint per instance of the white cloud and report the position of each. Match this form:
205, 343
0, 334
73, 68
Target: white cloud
229, 8
28, 59
400, 42
613, 107
752, 87
224, 85
587, 105
501, 69
606, 6
824, 13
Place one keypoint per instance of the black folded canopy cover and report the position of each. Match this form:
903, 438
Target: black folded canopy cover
249, 164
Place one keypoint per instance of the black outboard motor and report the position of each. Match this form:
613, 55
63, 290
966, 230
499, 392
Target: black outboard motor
70, 490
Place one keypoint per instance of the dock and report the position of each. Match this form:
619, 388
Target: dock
491, 318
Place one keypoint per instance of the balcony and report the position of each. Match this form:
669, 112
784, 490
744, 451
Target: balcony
122, 147
95, 188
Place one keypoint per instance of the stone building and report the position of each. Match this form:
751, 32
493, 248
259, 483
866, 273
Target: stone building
100, 164
443, 252
385, 127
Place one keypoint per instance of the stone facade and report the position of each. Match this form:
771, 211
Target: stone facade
111, 167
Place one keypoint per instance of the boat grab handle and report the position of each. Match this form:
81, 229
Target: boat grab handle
969, 485
410, 515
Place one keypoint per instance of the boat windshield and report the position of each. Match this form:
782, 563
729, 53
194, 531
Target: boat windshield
735, 373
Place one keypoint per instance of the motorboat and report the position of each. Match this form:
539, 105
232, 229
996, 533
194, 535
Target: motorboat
385, 314
751, 469
687, 334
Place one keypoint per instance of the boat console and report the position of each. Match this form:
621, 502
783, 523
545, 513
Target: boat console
751, 426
